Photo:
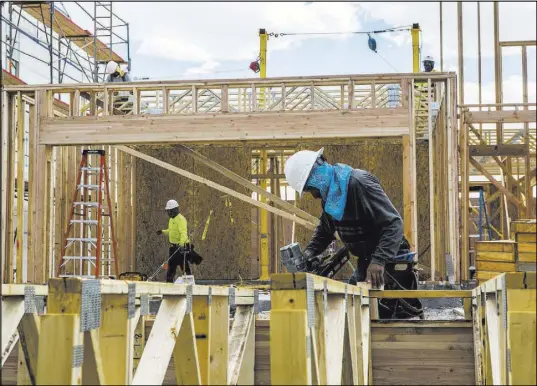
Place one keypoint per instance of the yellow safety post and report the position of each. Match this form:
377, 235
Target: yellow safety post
263, 218
415, 47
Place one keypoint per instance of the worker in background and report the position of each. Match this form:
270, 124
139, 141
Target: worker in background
356, 206
428, 64
181, 252
121, 99
115, 73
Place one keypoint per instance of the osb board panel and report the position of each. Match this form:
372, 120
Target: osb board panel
384, 159
227, 247
422, 356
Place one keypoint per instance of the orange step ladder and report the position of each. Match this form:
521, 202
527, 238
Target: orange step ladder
94, 257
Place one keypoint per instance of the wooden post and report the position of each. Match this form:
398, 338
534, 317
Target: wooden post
8, 185
289, 363
465, 196
20, 189
527, 164
201, 309
461, 52
432, 190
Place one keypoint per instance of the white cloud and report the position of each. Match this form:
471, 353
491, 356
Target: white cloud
512, 91
203, 32
205, 68
427, 14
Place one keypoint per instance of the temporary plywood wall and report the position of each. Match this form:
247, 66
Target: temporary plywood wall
227, 247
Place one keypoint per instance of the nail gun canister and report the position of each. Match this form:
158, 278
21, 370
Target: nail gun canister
292, 257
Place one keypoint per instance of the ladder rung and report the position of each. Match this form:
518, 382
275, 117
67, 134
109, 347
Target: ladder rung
89, 186
83, 239
83, 276
86, 203
91, 222
90, 169
79, 257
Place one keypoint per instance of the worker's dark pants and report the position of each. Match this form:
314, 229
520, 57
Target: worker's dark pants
178, 256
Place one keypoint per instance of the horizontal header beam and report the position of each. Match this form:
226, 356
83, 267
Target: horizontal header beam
210, 128
498, 150
513, 116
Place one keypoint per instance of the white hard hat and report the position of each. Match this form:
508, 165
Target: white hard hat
298, 167
171, 204
430, 58
111, 67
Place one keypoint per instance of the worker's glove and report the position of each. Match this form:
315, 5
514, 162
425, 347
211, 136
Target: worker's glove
375, 275
159, 232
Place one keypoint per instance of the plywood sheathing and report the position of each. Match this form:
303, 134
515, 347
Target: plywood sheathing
382, 158
227, 248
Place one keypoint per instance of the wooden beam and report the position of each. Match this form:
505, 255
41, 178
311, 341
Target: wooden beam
460, 41
518, 43
159, 347
247, 184
216, 186
497, 184
210, 128
499, 150
12, 313
20, 188
185, 354
240, 332
506, 116
29, 341
420, 294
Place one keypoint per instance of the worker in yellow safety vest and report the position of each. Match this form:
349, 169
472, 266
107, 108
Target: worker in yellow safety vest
181, 252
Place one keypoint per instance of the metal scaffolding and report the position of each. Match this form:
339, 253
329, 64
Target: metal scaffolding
74, 54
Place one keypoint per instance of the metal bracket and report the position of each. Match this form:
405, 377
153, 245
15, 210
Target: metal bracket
210, 296
256, 302
188, 299
30, 306
78, 355
90, 313
310, 300
131, 300
231, 296
144, 304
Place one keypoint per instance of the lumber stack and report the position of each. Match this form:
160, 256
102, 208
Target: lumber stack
515, 255
494, 257
525, 234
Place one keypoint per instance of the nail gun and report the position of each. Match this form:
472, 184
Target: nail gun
294, 260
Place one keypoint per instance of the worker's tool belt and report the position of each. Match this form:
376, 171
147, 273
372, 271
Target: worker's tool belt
191, 255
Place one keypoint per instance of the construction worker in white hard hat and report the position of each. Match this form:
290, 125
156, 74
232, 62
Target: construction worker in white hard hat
115, 73
428, 64
181, 252
354, 205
